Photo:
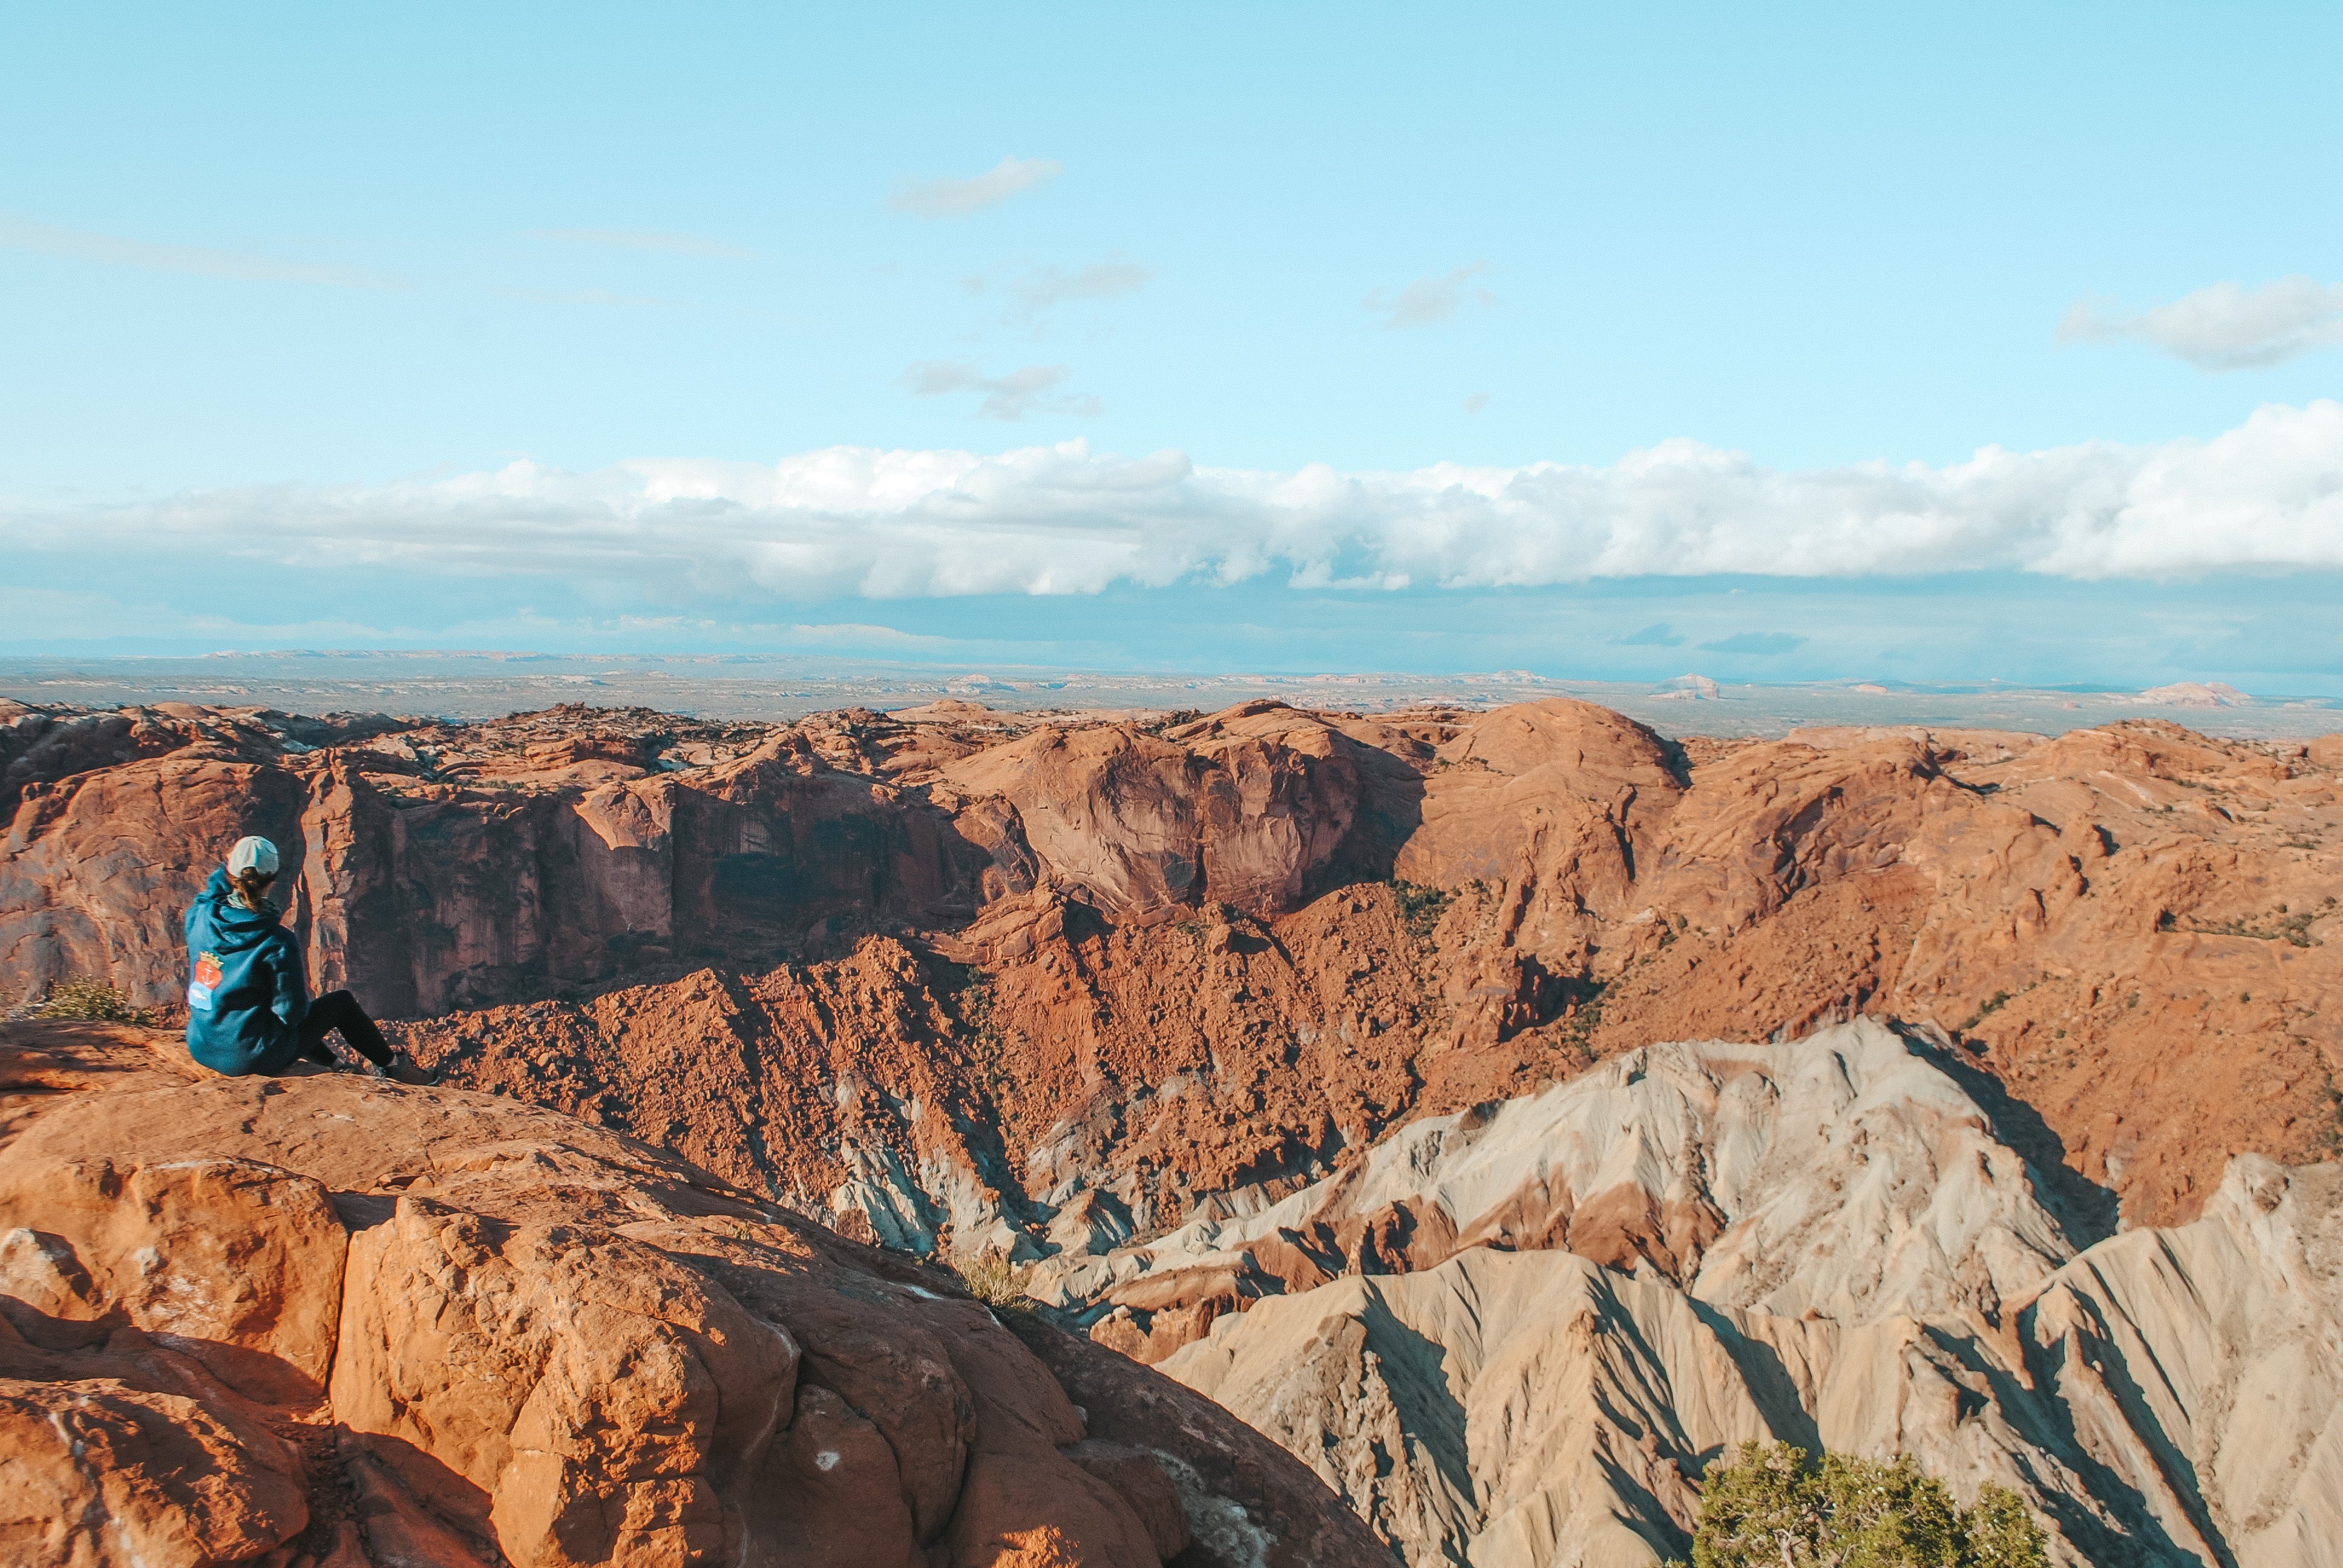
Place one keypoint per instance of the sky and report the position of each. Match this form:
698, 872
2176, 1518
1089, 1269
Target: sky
1827, 344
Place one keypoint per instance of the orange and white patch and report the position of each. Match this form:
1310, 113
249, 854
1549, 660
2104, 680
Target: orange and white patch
204, 983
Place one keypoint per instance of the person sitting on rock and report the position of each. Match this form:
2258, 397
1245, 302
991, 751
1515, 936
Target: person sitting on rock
248, 1005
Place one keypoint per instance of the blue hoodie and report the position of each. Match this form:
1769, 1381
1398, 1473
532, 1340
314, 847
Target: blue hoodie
248, 989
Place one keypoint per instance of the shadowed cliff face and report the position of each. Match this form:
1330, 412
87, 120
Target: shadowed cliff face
985, 981
435, 868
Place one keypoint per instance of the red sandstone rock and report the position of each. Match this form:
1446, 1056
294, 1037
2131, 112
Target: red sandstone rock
99, 1473
1047, 987
254, 1263
119, 1450
1594, 904
438, 868
550, 1346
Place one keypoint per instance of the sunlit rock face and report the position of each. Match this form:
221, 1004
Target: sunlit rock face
957, 953
322, 1317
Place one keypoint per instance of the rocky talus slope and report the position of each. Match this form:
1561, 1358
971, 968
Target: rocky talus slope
322, 1320
1821, 1242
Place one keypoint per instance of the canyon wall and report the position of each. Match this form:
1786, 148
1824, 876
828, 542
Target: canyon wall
1151, 962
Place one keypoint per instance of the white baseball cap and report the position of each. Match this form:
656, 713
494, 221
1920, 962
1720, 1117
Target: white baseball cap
252, 854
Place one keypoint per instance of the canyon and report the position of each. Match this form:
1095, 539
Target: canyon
1416, 1085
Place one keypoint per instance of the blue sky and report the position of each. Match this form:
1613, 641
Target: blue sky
527, 326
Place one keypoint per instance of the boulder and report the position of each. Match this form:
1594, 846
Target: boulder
115, 1477
237, 1263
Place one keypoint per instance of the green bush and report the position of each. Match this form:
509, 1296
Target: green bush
1769, 1508
90, 999
2000, 1532
1420, 908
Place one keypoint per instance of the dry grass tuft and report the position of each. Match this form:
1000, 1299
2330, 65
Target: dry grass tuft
994, 1281
90, 1001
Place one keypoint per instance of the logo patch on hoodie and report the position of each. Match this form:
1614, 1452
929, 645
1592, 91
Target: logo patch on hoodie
208, 979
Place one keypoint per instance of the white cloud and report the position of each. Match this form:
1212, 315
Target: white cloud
656, 240
195, 260
1064, 520
2225, 327
860, 634
1010, 396
1429, 301
952, 198
1037, 289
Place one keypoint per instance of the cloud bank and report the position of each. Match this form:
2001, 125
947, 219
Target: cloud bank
956, 197
2225, 327
1063, 519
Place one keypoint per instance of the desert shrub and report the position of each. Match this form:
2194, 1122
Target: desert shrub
1769, 1508
1420, 908
91, 999
994, 1281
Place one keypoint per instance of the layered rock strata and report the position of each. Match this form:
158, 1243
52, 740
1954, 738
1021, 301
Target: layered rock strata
1821, 1243
1847, 1176
320, 1319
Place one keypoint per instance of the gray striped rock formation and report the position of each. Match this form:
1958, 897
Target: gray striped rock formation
1823, 1242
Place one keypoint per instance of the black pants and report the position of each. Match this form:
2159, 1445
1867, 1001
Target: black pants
340, 1011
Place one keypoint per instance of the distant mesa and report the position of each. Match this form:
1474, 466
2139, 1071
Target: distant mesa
2195, 694
944, 710
1687, 689
1871, 689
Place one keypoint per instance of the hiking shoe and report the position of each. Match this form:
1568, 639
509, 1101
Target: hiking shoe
401, 1068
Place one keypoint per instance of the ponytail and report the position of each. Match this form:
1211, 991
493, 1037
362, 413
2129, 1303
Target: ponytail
251, 889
